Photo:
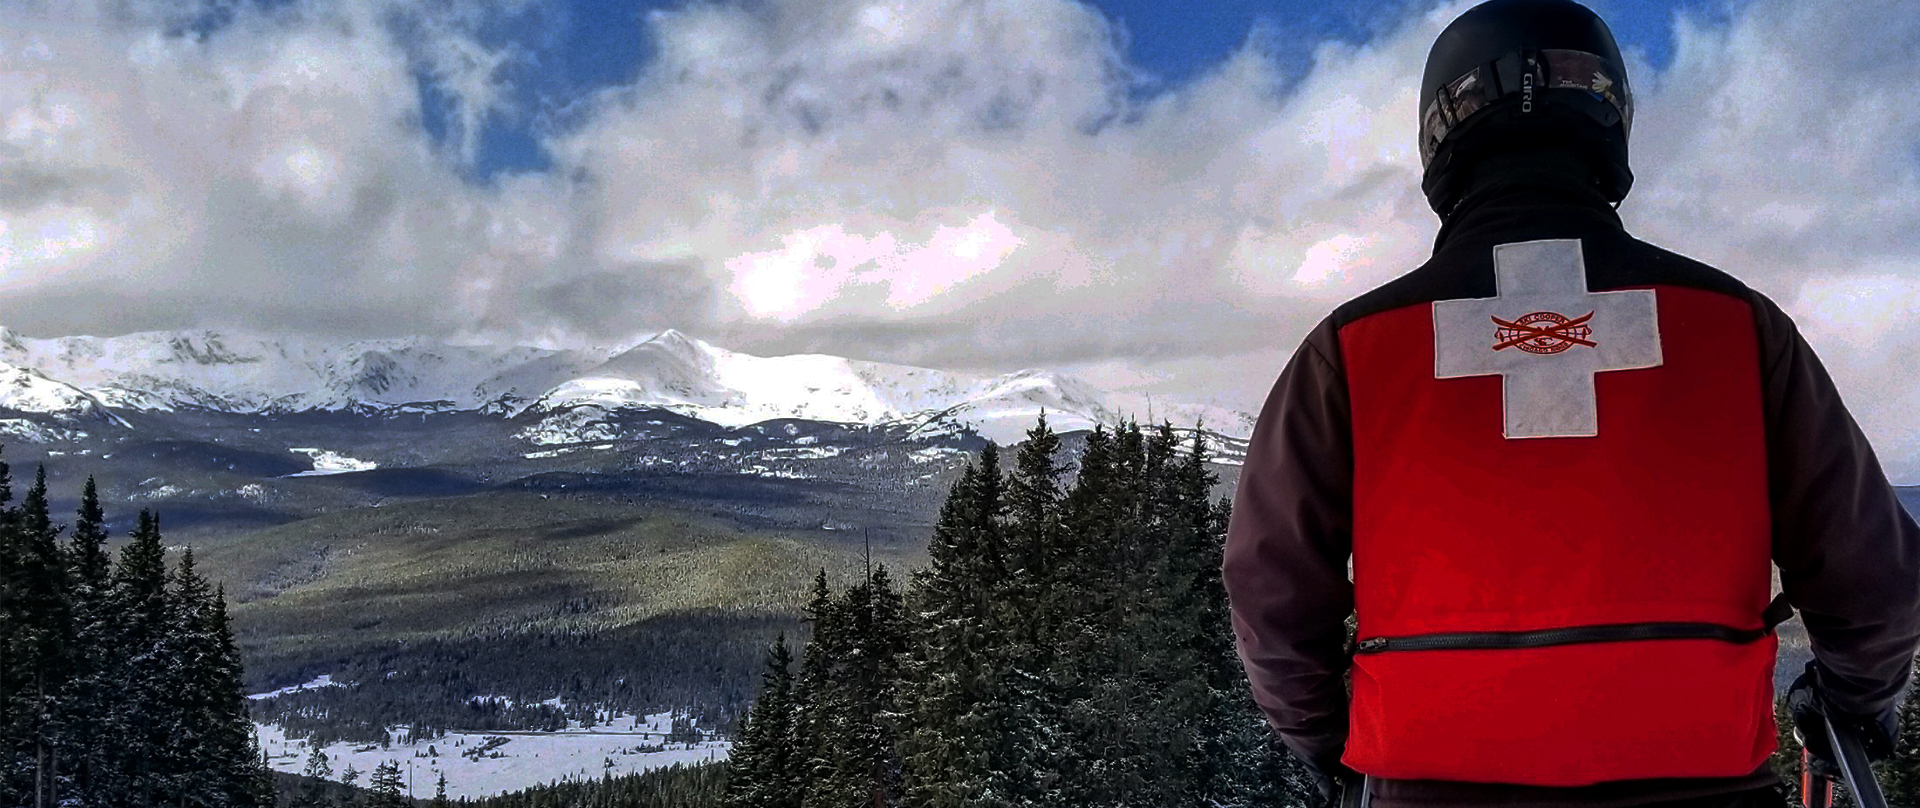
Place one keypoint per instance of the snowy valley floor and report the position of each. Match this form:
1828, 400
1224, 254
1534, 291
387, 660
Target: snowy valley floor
512, 760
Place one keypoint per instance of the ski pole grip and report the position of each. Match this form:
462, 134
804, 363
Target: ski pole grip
1353, 792
1815, 791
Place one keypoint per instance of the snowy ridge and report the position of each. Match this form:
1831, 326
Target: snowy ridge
570, 393
244, 373
678, 373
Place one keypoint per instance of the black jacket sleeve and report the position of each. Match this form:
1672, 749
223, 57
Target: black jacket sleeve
1288, 544
1848, 551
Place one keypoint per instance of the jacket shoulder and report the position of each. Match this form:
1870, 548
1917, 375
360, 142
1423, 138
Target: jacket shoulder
1437, 279
1612, 262
1632, 262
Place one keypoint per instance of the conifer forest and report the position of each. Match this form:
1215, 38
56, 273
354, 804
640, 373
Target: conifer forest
119, 680
1066, 645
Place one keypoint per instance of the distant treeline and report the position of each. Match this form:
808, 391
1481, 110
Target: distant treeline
119, 683
676, 786
1067, 646
700, 664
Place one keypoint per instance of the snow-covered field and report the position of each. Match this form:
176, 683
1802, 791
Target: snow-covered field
512, 760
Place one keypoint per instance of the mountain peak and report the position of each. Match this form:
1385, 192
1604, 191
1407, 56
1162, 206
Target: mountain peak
674, 338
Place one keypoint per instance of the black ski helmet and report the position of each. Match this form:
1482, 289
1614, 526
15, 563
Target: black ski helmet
1517, 74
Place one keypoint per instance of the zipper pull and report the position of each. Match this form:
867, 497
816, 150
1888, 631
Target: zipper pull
1371, 646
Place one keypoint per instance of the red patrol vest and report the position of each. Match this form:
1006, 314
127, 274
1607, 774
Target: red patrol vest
1558, 581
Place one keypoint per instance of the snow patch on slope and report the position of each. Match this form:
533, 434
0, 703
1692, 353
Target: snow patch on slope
330, 462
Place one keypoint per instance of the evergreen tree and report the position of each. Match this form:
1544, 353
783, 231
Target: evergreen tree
1107, 757
762, 770
188, 659
676, 786
37, 647
351, 779
233, 751
313, 791
119, 685
265, 790
951, 698
846, 749
386, 789
1030, 619
15, 625
1090, 518
440, 793
813, 695
141, 603
1033, 497
866, 766
89, 726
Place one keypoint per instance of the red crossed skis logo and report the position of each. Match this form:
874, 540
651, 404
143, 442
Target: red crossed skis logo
1543, 332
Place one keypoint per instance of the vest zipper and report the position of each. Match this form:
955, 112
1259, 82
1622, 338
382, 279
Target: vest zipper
1776, 613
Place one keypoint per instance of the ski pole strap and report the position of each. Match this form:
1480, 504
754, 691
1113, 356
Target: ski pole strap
1777, 612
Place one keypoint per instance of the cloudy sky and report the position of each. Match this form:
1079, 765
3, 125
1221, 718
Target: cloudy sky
1156, 196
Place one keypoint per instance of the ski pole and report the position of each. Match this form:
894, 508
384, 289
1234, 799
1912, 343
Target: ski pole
1851, 755
1353, 793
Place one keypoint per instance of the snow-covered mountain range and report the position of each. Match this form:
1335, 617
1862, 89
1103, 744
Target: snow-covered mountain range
74, 383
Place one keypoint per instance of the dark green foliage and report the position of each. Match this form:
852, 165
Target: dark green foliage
843, 741
867, 644
765, 771
677, 786
386, 789
1785, 761
955, 704
36, 649
1900, 776
1063, 647
89, 571
118, 686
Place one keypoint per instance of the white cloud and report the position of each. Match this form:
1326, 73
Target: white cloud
956, 183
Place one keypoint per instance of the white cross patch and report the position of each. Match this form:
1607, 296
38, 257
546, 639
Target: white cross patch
1546, 336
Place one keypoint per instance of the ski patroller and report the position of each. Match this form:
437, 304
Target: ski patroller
1850, 757
1550, 474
